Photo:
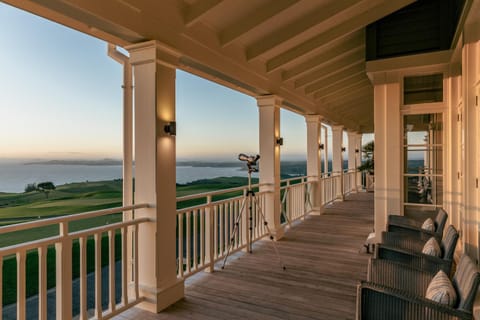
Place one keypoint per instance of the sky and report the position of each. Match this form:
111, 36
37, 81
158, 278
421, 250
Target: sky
61, 98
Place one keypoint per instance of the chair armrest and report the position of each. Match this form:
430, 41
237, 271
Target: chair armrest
414, 232
379, 302
417, 260
402, 240
402, 220
396, 275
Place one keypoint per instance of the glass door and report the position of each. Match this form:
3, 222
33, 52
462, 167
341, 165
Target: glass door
423, 162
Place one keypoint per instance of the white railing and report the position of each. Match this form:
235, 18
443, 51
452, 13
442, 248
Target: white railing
217, 222
206, 231
63, 243
295, 195
330, 185
349, 181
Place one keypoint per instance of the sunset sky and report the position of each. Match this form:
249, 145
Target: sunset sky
61, 98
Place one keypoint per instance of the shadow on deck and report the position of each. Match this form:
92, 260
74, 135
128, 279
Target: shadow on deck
324, 257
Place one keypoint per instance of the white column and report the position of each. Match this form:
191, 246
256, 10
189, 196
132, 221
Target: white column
269, 169
358, 157
337, 158
155, 177
314, 160
352, 159
470, 57
325, 149
387, 154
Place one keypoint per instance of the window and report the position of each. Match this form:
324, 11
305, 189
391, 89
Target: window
423, 160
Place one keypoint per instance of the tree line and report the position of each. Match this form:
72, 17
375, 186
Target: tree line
45, 187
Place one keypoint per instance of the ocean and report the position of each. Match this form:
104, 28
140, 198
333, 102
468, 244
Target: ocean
14, 176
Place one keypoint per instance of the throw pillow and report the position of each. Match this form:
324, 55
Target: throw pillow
432, 248
428, 225
441, 290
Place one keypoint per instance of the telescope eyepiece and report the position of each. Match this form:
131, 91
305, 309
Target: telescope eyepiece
252, 160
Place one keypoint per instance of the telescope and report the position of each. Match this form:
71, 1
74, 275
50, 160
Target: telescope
251, 160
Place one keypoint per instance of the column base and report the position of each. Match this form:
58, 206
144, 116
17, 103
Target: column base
278, 233
316, 211
158, 299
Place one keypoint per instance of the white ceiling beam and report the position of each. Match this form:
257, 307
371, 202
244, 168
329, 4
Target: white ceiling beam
354, 94
330, 55
347, 82
281, 35
354, 70
248, 23
347, 100
336, 32
362, 85
195, 12
359, 110
345, 62
333, 118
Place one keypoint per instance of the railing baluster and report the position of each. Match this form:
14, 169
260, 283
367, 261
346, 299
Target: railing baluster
111, 270
82, 242
42, 283
215, 231
63, 252
226, 224
180, 245
21, 283
209, 234
195, 239
124, 266
236, 210
189, 241
220, 231
135, 261
231, 225
202, 218
98, 275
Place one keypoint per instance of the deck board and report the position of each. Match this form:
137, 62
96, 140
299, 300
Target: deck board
324, 260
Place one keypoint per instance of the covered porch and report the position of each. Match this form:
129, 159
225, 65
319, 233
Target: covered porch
341, 65
324, 258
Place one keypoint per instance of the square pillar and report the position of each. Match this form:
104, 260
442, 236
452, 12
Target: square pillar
388, 148
352, 160
269, 168
314, 126
337, 158
358, 156
155, 178
325, 150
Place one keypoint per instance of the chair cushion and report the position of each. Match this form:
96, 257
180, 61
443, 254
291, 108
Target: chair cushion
432, 248
441, 290
428, 225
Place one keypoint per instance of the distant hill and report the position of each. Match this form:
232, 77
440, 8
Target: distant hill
102, 162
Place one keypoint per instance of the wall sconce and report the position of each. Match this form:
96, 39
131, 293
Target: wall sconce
171, 128
279, 141
321, 146
343, 149
357, 151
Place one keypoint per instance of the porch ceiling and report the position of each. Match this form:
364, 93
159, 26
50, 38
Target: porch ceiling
310, 52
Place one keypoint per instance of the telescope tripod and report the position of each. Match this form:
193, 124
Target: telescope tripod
250, 200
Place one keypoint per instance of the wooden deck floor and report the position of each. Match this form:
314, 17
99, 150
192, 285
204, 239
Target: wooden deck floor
324, 260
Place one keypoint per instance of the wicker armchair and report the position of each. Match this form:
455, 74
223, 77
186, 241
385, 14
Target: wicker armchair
403, 249
398, 292
414, 228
